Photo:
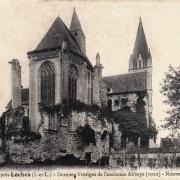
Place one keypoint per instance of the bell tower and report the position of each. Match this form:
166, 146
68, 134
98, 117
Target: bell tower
141, 60
77, 32
97, 81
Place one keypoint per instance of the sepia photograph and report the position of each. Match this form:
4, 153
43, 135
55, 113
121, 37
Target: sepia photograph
89, 89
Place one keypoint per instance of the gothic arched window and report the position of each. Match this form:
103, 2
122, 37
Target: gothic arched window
72, 83
136, 64
140, 63
47, 72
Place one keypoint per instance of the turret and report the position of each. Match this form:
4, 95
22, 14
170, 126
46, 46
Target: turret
97, 59
141, 61
77, 32
97, 81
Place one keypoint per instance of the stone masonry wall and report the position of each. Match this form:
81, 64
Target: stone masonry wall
15, 83
99, 126
34, 90
54, 145
132, 99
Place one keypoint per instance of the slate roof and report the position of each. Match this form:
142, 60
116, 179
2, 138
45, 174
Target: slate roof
140, 46
54, 37
131, 82
24, 97
75, 23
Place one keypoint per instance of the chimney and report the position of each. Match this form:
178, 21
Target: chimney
15, 83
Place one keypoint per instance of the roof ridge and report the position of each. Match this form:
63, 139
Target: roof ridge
130, 82
116, 75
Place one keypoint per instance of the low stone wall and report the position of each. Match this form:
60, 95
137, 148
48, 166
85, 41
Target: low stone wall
152, 160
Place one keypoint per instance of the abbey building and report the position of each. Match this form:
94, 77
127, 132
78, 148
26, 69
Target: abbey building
70, 109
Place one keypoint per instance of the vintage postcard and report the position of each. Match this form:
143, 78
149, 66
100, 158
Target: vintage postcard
89, 89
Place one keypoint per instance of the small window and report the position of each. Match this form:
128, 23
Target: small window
110, 104
116, 102
28, 111
123, 142
140, 64
136, 65
124, 101
75, 33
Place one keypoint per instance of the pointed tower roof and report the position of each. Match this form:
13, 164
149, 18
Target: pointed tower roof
75, 23
140, 46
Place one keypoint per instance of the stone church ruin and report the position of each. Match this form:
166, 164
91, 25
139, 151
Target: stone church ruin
71, 114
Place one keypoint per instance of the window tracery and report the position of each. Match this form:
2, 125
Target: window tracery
47, 72
72, 83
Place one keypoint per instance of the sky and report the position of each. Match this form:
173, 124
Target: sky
110, 28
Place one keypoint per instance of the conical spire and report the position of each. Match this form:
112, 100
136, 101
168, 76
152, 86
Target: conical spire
75, 23
77, 32
140, 46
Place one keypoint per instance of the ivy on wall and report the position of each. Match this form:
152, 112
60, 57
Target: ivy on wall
86, 135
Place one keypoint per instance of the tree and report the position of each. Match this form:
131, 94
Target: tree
171, 89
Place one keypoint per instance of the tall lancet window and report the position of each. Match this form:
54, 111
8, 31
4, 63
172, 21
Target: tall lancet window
47, 84
72, 83
140, 62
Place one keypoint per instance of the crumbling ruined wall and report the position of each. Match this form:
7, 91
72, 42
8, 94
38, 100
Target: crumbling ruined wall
15, 83
104, 97
54, 145
101, 148
117, 137
48, 148
135, 101
131, 101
